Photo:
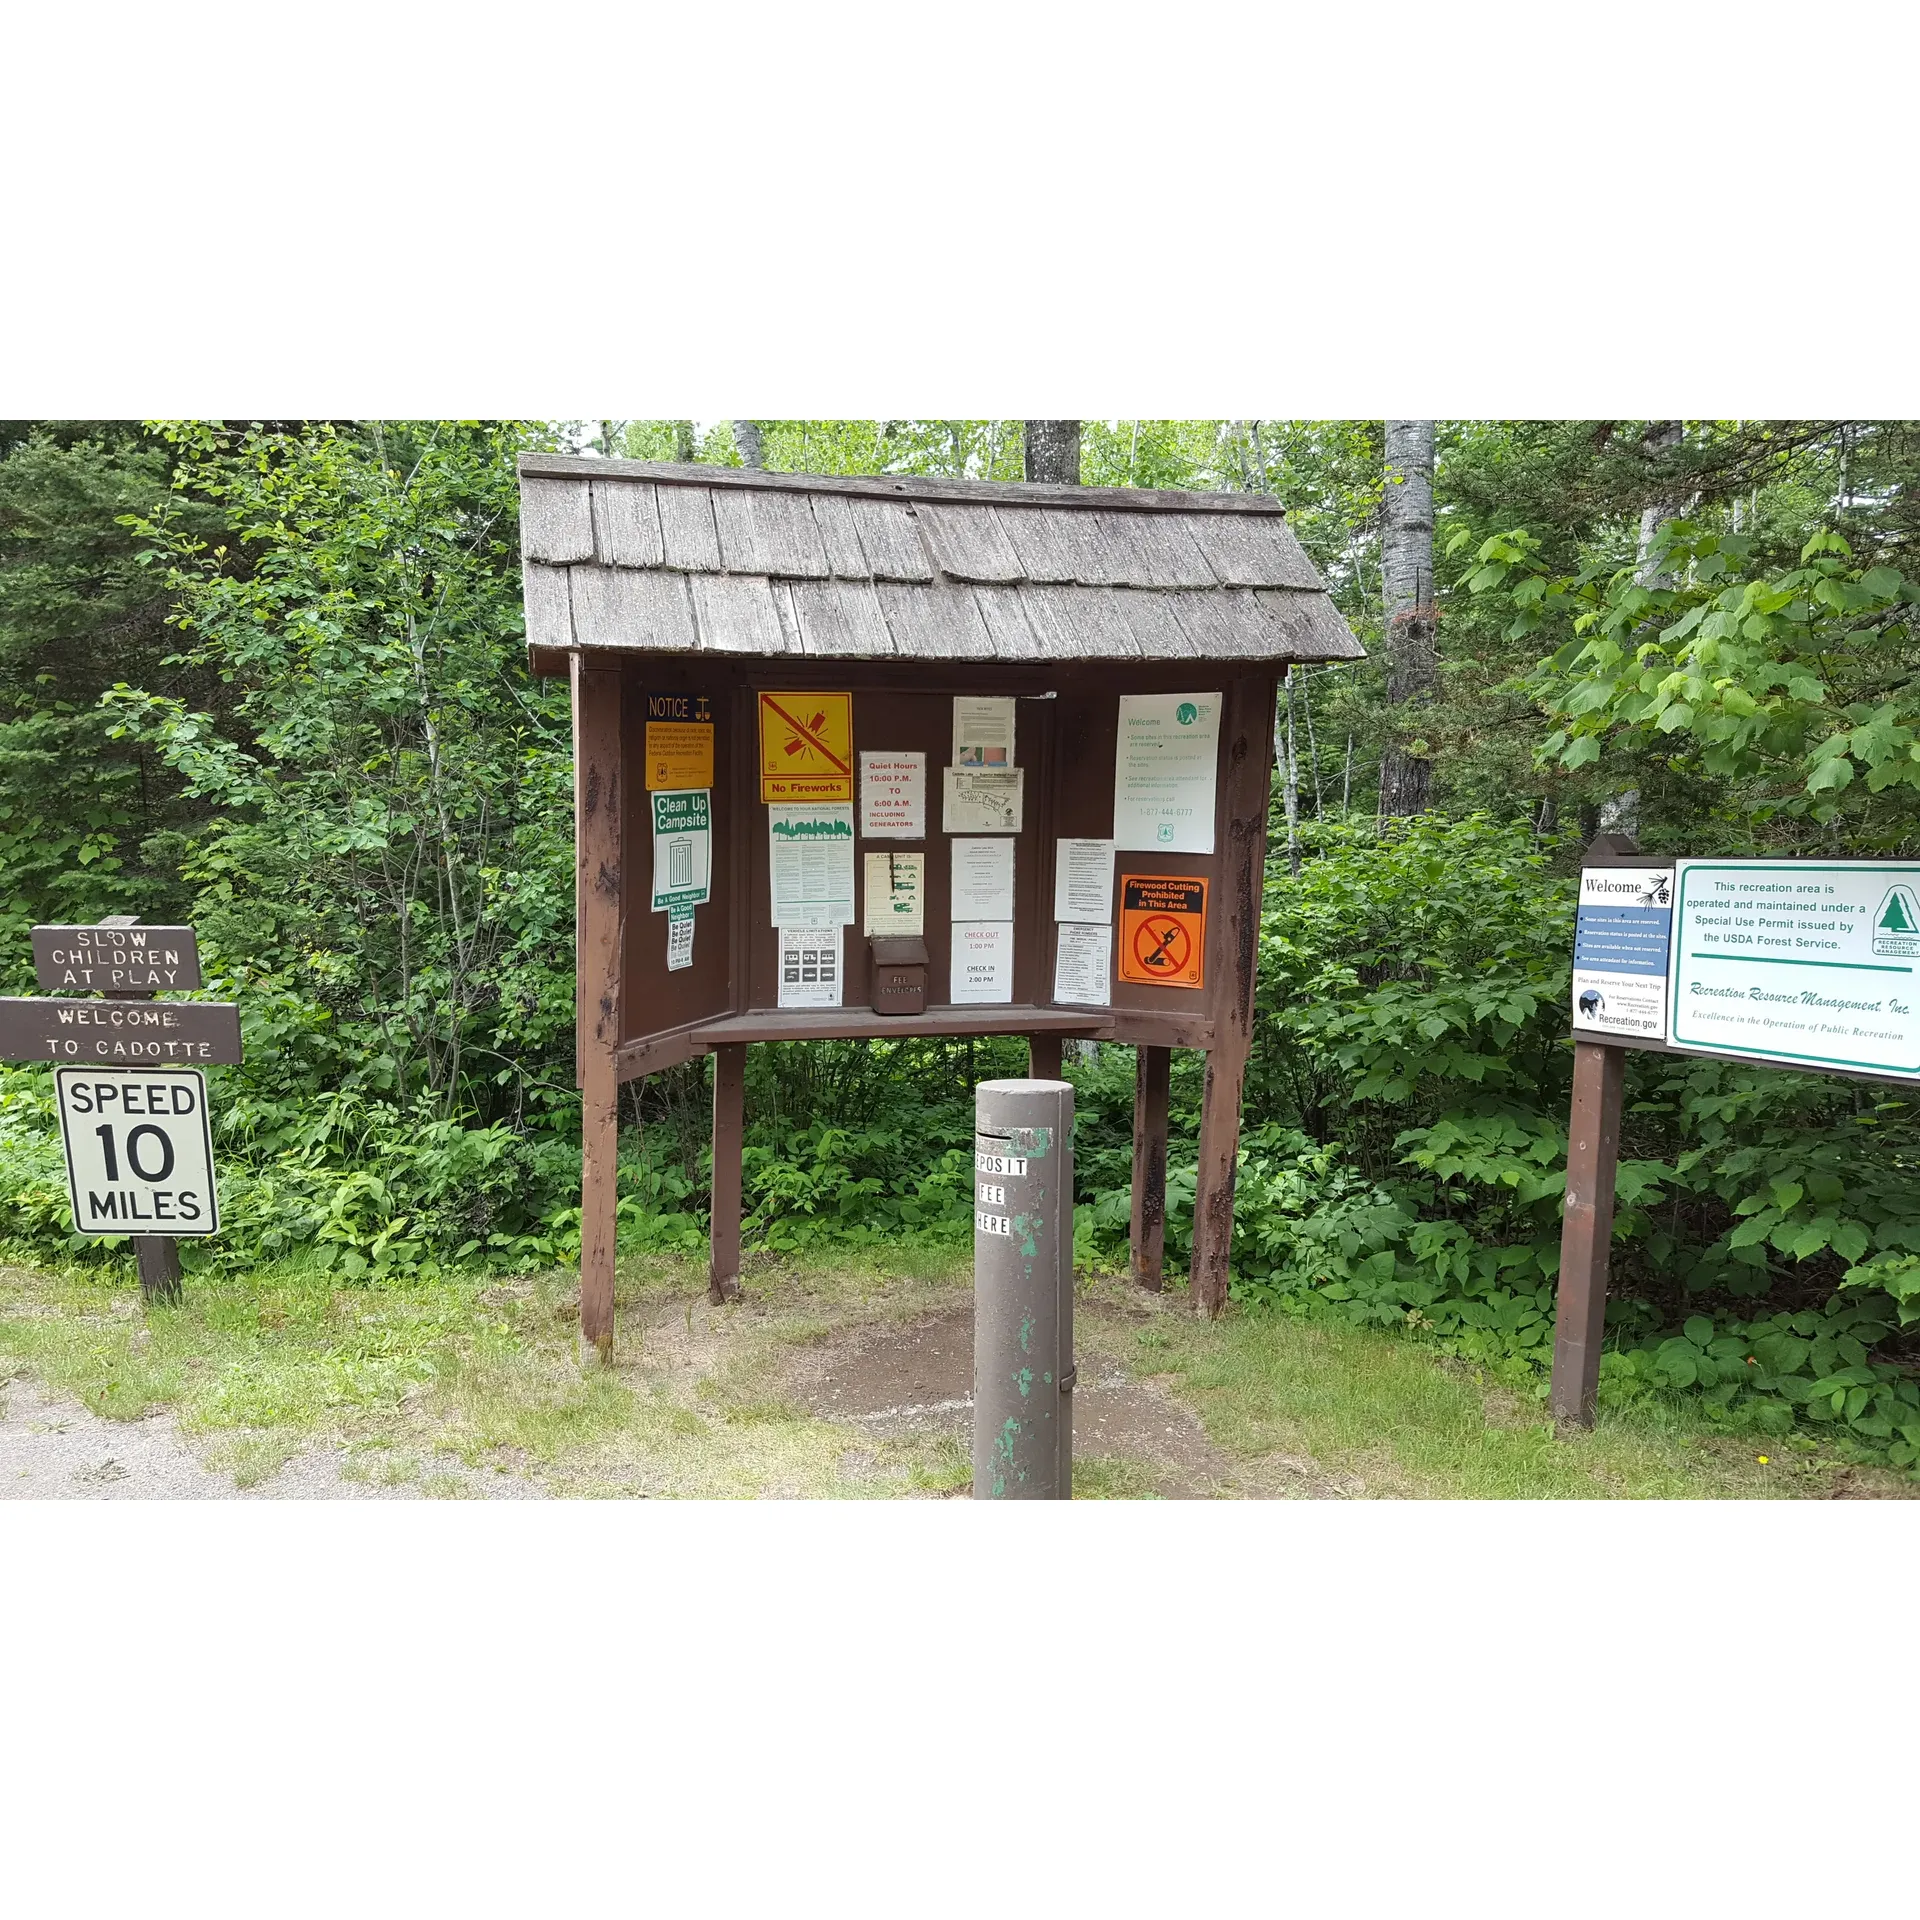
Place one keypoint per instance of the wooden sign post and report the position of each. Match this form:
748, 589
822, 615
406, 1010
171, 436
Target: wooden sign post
148, 1158
1805, 964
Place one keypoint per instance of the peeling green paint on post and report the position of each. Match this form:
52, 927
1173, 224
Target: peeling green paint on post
1023, 1322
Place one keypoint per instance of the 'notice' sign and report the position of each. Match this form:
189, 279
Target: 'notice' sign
116, 959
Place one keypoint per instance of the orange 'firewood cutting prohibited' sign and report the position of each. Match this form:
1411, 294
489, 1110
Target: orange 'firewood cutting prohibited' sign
806, 746
1163, 929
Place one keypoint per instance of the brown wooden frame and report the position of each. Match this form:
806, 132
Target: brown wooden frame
609, 814
600, 926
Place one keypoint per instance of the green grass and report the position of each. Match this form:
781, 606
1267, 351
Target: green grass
257, 1368
407, 1378
1385, 1416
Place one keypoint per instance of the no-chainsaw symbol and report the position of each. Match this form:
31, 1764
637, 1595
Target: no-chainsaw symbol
806, 746
1162, 945
1163, 930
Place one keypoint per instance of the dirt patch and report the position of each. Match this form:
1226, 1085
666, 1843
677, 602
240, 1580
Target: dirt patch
901, 1381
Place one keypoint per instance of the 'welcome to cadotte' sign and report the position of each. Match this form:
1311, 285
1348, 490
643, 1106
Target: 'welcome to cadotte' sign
1814, 965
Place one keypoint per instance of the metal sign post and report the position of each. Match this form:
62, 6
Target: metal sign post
1023, 1369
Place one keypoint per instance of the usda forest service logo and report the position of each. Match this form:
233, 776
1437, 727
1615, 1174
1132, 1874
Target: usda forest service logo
1896, 927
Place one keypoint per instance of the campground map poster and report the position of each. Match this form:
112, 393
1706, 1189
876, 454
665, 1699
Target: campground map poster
1797, 961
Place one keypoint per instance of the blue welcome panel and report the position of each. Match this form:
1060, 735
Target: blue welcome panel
1622, 944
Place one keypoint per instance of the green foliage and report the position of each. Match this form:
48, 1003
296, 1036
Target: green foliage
1791, 684
77, 610
386, 851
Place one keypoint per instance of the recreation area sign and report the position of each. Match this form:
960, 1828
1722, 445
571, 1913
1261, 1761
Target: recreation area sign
1810, 965
1803, 963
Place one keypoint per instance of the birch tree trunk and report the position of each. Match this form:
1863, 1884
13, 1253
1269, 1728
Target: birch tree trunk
1406, 565
1657, 442
746, 436
1053, 451
1621, 812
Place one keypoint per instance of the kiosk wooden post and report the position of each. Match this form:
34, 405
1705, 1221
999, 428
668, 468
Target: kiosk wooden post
1247, 737
700, 601
600, 910
1043, 1056
1147, 1229
729, 1133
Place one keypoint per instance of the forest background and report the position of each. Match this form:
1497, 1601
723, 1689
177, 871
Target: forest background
270, 678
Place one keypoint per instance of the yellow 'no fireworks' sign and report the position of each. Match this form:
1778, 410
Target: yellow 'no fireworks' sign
806, 746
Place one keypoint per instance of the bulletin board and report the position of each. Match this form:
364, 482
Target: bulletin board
1064, 970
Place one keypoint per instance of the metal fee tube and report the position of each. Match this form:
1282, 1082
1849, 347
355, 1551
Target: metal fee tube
1023, 1370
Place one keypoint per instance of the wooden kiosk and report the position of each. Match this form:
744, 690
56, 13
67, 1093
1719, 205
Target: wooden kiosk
760, 661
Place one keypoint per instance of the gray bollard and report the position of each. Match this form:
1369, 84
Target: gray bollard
1023, 1290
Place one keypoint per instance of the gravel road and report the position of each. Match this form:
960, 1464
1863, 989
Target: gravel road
52, 1448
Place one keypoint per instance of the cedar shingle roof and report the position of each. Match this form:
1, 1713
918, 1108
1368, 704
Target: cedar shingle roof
677, 559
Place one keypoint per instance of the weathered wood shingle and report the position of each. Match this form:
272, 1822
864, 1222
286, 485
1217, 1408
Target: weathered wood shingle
652, 557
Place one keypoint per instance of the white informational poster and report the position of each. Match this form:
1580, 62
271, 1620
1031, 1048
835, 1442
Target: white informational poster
893, 796
1620, 943
1816, 964
982, 732
682, 849
982, 963
812, 865
139, 1147
1083, 880
809, 966
1163, 772
679, 939
978, 801
1082, 964
982, 880
896, 894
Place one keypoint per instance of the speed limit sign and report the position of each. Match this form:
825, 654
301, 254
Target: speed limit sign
139, 1151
